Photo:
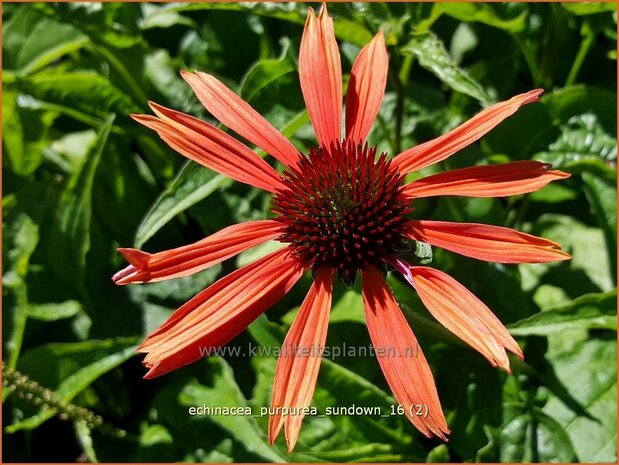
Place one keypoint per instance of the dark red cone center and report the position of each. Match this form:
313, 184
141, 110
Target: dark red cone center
343, 207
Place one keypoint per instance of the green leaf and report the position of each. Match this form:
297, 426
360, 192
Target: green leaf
527, 434
15, 32
589, 268
601, 191
24, 134
440, 454
69, 368
48, 41
509, 17
81, 91
35, 41
575, 100
20, 238
433, 56
265, 72
54, 311
582, 146
70, 233
224, 392
589, 8
345, 29
591, 311
587, 370
193, 183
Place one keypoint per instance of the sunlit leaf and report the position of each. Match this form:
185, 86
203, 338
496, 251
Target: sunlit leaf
592, 311
433, 56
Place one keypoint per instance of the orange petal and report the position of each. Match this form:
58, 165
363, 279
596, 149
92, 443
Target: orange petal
239, 116
220, 312
299, 360
490, 243
211, 147
320, 73
195, 257
366, 88
446, 145
401, 360
456, 308
519, 177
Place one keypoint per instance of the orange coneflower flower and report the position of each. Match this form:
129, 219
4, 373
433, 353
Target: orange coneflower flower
341, 210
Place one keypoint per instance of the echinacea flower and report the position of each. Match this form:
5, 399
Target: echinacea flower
342, 210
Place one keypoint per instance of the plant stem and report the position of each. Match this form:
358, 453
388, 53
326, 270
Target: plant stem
583, 50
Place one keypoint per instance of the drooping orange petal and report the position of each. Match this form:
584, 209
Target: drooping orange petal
320, 73
519, 177
456, 308
220, 312
299, 359
211, 147
239, 116
484, 242
446, 145
366, 88
405, 368
189, 259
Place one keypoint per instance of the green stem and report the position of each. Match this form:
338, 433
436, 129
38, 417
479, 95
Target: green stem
530, 59
583, 50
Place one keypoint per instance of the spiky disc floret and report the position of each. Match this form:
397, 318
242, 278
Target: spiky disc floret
342, 207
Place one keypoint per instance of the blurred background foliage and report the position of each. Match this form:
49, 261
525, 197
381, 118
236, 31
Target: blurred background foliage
80, 179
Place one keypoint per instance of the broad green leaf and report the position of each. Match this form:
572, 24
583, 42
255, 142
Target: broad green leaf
67, 153
527, 434
69, 368
264, 72
554, 193
163, 74
54, 311
589, 254
433, 56
15, 32
592, 311
163, 19
587, 371
71, 231
345, 29
192, 184
566, 102
81, 91
224, 392
582, 146
510, 17
48, 41
32, 41
589, 8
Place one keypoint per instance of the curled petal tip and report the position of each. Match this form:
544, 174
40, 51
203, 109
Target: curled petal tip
323, 10
534, 95
121, 277
185, 73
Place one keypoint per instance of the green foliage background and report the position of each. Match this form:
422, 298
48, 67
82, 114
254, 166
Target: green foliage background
81, 179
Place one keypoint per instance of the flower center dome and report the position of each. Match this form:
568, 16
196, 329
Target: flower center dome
343, 207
